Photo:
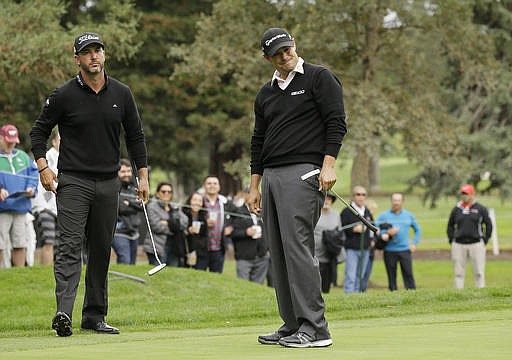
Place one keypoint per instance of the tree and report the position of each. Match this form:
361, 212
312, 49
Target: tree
38, 54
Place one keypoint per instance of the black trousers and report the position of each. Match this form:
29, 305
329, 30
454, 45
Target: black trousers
391, 258
86, 214
326, 275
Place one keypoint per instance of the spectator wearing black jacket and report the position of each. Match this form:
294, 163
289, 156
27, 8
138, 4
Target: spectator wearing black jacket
467, 237
358, 241
128, 219
251, 250
197, 230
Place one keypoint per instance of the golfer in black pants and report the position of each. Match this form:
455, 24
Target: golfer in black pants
299, 128
89, 110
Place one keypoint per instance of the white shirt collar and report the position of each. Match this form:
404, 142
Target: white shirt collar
360, 210
283, 83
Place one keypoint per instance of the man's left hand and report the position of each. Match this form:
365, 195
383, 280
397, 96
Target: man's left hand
327, 177
143, 185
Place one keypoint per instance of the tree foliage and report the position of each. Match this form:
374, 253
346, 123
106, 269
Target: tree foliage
435, 75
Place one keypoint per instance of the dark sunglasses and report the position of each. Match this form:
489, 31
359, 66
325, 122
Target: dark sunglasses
360, 194
166, 191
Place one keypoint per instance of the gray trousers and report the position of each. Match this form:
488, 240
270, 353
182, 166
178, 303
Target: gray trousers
460, 255
254, 270
86, 215
291, 209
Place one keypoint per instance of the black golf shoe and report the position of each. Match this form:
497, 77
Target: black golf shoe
61, 323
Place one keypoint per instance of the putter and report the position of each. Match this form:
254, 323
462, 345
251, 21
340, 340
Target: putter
160, 266
350, 207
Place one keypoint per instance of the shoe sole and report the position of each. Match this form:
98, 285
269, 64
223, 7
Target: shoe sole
268, 342
62, 325
318, 343
102, 332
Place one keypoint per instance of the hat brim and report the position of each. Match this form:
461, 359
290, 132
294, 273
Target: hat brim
85, 44
12, 139
272, 51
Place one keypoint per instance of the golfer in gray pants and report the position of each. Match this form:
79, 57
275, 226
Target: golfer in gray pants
299, 127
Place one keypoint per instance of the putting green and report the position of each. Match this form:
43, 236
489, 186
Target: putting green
478, 335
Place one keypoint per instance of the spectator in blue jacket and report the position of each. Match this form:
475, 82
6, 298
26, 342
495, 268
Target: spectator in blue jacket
399, 248
18, 180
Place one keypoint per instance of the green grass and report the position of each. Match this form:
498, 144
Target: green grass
186, 314
394, 173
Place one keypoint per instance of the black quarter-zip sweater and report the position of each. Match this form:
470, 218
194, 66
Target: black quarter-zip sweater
90, 126
300, 124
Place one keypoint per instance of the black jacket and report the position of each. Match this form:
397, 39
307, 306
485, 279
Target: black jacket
128, 219
465, 226
353, 240
197, 242
246, 248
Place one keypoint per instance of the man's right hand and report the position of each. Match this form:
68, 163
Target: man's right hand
254, 201
48, 179
3, 194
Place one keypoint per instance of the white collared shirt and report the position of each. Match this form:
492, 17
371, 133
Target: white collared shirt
283, 83
360, 210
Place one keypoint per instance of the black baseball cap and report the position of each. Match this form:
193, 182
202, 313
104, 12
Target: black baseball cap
86, 39
273, 39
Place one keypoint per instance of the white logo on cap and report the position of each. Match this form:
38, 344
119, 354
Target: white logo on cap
83, 38
269, 41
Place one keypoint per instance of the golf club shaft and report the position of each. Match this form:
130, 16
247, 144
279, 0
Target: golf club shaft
146, 216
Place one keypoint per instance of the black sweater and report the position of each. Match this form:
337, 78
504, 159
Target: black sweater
90, 126
465, 225
300, 124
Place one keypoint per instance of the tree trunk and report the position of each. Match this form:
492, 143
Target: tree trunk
360, 168
374, 174
229, 185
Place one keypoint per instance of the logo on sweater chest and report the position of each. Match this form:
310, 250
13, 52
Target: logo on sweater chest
298, 92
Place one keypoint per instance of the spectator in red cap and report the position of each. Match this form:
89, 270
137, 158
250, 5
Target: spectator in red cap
469, 230
18, 180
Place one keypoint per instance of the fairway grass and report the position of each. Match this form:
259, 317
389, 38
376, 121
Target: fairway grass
187, 314
474, 335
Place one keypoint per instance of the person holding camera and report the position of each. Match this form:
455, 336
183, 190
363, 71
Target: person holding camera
358, 240
399, 248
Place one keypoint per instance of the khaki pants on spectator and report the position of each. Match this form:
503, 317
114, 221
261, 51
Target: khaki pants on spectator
476, 254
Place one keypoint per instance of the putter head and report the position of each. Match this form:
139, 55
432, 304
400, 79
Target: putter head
156, 269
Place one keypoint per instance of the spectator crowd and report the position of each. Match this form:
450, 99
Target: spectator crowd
208, 227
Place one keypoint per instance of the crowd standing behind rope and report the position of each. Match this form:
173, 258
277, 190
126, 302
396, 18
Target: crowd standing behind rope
183, 232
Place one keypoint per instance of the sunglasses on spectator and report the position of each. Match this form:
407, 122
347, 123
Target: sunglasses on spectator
166, 191
360, 194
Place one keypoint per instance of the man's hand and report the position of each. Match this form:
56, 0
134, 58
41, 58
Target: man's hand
254, 200
30, 192
143, 185
48, 179
3, 194
327, 177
